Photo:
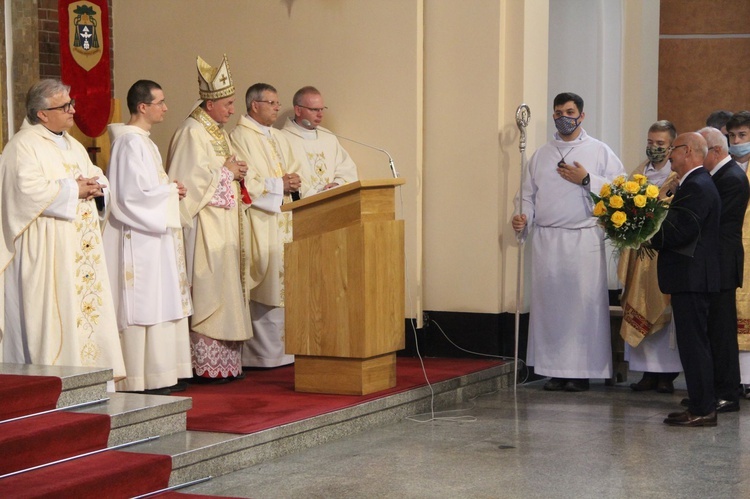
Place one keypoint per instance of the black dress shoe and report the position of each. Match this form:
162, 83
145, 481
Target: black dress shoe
200, 380
727, 405
690, 420
157, 391
555, 385
685, 402
180, 386
645, 384
664, 386
577, 385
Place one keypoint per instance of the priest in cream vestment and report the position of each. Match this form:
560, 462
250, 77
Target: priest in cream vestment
218, 247
328, 164
275, 175
145, 252
56, 306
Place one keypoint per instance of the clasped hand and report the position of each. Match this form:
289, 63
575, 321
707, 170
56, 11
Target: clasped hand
89, 188
236, 166
292, 182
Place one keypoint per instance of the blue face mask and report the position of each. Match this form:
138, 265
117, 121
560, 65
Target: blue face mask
566, 125
740, 150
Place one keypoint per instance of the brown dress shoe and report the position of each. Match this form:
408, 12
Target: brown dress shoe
645, 384
690, 420
664, 386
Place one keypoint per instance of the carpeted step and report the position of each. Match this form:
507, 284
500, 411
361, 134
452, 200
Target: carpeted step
42, 439
111, 474
79, 384
22, 395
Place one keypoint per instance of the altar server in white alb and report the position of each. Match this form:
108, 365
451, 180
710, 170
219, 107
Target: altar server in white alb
218, 250
569, 331
145, 253
328, 164
56, 305
275, 173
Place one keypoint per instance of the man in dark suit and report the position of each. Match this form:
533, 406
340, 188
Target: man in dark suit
689, 269
734, 191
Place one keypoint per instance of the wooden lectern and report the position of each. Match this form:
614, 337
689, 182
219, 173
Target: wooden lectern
344, 287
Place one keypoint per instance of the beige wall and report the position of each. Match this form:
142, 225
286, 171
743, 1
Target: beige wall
435, 82
364, 56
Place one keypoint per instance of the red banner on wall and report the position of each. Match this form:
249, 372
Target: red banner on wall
85, 62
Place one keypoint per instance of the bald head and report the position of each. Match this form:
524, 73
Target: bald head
688, 151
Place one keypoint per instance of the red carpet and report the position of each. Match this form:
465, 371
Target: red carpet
266, 398
113, 474
22, 395
42, 439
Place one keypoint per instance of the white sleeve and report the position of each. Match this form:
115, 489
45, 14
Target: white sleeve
272, 197
65, 204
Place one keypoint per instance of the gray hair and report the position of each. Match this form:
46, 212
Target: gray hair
39, 95
255, 93
714, 138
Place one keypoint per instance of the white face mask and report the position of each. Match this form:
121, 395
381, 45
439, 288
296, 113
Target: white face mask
739, 150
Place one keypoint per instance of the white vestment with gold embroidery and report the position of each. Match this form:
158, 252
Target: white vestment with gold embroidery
218, 246
146, 261
321, 154
269, 157
56, 308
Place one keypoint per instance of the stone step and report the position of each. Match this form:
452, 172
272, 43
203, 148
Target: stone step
196, 455
79, 384
135, 416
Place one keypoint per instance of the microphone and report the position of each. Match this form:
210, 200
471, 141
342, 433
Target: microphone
308, 124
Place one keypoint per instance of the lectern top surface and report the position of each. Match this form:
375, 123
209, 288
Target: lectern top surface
338, 191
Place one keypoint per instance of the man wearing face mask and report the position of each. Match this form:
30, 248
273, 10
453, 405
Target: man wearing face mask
738, 129
647, 326
569, 330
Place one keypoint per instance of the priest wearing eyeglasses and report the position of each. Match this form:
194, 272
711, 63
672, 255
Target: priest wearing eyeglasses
56, 307
318, 149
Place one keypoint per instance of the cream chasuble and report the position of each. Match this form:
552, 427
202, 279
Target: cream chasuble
219, 243
56, 308
268, 158
322, 156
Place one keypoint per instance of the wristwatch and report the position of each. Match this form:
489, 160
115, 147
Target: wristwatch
586, 180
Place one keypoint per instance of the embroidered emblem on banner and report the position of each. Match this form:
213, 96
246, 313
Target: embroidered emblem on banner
85, 33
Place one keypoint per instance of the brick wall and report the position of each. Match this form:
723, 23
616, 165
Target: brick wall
49, 40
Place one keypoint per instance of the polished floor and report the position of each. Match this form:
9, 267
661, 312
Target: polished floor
609, 442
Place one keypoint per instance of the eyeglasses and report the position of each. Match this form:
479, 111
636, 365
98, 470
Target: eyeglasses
273, 103
313, 109
161, 103
672, 148
64, 108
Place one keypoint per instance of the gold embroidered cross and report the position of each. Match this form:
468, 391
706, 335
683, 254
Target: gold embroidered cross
223, 78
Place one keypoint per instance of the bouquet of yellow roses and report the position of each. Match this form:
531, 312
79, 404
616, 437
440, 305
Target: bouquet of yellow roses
630, 212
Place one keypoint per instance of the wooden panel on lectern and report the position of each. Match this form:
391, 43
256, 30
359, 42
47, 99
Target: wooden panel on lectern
344, 376
359, 202
351, 303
